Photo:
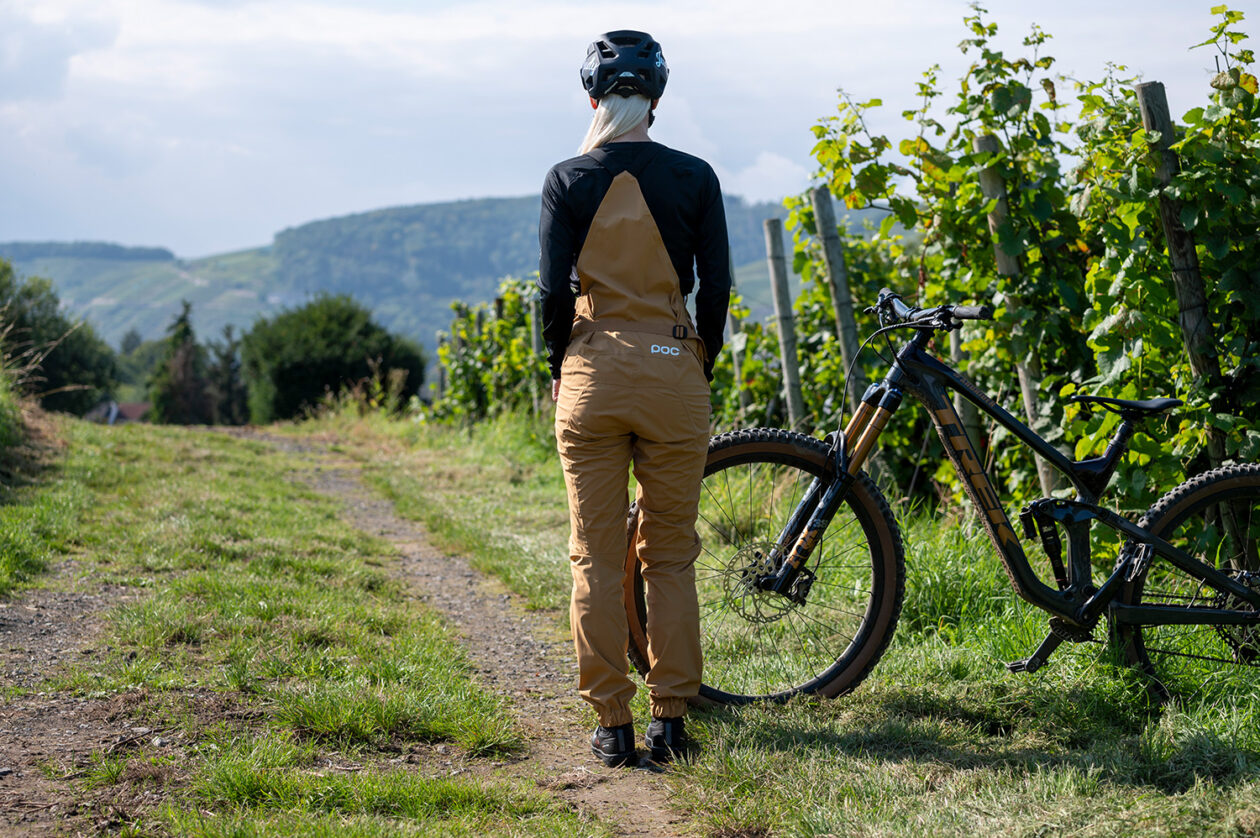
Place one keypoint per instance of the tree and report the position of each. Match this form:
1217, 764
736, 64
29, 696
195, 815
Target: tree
130, 342
177, 389
137, 367
228, 394
75, 367
295, 359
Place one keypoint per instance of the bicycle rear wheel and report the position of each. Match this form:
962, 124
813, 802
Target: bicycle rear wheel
760, 645
1216, 518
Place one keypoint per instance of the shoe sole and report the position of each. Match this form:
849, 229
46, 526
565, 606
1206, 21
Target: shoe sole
616, 760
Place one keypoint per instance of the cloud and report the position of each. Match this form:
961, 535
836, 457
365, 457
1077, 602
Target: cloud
35, 55
770, 178
210, 124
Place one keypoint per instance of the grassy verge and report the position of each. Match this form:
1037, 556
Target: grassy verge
37, 523
267, 638
10, 413
940, 740
494, 492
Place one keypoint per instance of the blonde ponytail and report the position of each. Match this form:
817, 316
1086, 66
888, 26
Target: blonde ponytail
615, 116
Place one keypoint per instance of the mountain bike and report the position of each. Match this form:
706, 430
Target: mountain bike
802, 570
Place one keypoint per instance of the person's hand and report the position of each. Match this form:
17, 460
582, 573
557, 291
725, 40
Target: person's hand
555, 389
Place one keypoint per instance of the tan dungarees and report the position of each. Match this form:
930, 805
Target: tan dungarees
632, 392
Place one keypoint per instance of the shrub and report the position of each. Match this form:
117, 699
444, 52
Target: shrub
76, 368
297, 357
487, 360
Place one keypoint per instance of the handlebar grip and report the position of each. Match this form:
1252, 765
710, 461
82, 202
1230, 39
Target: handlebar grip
973, 312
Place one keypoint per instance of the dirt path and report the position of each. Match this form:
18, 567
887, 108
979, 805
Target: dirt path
48, 739
43, 733
515, 652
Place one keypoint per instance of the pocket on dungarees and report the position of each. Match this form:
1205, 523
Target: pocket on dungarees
695, 347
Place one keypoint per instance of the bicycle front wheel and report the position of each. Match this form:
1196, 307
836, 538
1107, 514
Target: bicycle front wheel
760, 645
1216, 518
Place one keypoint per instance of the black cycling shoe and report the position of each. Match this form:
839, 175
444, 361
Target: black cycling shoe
667, 739
615, 745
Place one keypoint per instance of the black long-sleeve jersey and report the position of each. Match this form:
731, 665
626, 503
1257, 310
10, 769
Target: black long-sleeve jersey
685, 199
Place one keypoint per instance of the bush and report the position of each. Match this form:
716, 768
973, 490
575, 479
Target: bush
292, 361
76, 368
487, 360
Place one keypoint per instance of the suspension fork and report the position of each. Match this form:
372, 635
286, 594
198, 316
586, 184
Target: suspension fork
822, 500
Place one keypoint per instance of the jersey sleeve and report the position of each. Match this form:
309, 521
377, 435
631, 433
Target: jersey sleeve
713, 271
557, 241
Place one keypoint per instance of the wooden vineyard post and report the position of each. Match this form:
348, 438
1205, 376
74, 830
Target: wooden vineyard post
737, 366
838, 282
787, 325
1027, 359
441, 380
536, 344
1196, 329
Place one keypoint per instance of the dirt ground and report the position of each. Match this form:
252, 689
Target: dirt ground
48, 739
517, 653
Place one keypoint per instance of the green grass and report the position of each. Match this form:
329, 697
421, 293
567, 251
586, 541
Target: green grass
260, 588
10, 413
265, 787
248, 593
493, 492
940, 740
37, 522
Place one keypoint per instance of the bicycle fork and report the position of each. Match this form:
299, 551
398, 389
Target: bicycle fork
822, 500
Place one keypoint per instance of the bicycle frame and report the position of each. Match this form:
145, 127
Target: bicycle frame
1077, 601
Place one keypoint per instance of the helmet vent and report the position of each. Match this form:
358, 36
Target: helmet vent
625, 62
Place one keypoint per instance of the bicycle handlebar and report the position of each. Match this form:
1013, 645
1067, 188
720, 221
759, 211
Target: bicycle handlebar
890, 303
973, 312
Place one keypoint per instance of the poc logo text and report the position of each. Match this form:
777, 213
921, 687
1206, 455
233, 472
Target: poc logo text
657, 349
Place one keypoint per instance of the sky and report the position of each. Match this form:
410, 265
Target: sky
207, 126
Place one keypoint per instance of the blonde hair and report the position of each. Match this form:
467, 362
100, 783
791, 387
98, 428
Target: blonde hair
615, 116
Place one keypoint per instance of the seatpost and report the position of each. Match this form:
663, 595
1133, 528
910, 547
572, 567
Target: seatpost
1119, 442
1096, 471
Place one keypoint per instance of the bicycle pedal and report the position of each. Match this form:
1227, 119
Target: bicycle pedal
1031, 664
1038, 658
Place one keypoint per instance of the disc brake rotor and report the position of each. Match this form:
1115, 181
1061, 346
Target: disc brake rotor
739, 584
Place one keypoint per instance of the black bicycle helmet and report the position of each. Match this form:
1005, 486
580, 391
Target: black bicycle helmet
624, 62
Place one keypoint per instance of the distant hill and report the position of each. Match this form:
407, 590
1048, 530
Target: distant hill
406, 263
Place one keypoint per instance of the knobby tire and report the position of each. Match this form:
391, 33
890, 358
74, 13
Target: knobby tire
761, 646
1214, 516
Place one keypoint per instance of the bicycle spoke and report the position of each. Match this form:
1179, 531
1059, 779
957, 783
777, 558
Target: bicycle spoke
758, 643
1211, 517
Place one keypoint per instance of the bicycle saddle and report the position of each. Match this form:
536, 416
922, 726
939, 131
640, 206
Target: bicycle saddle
1130, 408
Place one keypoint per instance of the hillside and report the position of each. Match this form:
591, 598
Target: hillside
406, 263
